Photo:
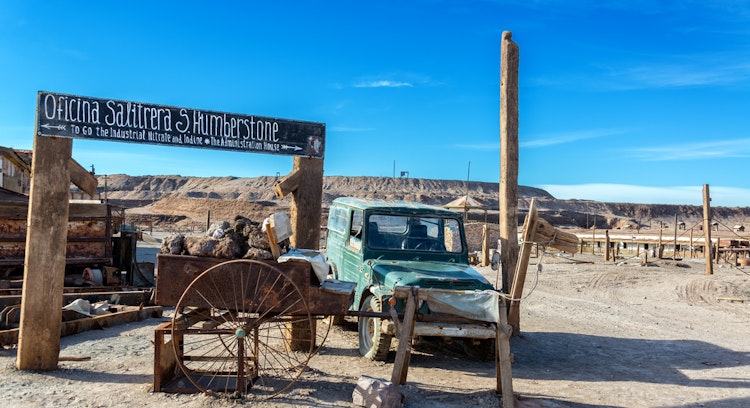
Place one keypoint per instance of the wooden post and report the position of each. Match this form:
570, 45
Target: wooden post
509, 60
692, 251
305, 183
606, 245
503, 369
403, 353
659, 248
707, 229
674, 253
44, 265
593, 239
485, 246
717, 250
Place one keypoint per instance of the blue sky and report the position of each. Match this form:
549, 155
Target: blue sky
637, 101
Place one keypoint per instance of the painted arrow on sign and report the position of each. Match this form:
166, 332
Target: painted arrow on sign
287, 147
57, 127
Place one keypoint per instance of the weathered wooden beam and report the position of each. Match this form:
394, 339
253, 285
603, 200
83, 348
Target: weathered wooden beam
530, 225
503, 369
550, 236
44, 265
82, 178
509, 57
305, 183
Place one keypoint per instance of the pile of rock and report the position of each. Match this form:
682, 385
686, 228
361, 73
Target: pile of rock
242, 238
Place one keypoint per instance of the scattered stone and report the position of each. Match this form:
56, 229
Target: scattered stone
375, 393
241, 238
173, 244
211, 247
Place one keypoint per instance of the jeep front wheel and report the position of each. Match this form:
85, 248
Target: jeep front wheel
373, 343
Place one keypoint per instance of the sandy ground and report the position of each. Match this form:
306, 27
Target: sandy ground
593, 335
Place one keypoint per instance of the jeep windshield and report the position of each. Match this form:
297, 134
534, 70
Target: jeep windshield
414, 233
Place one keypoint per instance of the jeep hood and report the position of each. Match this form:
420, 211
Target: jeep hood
441, 275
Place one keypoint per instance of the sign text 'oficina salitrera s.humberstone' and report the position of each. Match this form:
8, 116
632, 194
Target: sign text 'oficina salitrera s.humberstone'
137, 122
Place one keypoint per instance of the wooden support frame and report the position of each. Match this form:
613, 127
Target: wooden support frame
535, 230
405, 330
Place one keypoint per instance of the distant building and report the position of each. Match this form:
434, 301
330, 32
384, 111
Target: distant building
15, 170
739, 228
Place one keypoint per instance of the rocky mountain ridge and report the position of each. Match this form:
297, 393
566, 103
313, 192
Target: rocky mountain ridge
192, 197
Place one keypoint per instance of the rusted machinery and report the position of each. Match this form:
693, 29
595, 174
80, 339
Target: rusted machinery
239, 326
100, 258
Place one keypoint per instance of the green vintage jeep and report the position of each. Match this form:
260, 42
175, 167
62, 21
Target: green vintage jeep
380, 245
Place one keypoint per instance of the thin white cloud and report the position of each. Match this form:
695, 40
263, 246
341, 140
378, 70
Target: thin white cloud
625, 193
349, 129
738, 148
383, 83
479, 146
677, 75
551, 139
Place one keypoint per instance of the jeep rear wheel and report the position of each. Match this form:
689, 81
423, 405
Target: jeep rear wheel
373, 344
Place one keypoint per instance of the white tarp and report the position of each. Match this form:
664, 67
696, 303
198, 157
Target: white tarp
316, 259
476, 305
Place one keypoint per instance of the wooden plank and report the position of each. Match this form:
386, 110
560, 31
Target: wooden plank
82, 178
403, 353
165, 360
509, 58
529, 226
44, 270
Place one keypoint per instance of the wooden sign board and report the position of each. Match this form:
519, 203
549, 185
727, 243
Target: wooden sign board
136, 122
282, 226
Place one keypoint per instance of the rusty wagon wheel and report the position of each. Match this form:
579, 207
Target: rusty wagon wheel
235, 330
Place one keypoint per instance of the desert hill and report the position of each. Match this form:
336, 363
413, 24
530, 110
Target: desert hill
186, 200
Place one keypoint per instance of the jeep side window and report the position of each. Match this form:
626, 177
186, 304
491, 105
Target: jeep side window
355, 232
337, 220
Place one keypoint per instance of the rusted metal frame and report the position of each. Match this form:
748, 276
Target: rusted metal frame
132, 298
10, 337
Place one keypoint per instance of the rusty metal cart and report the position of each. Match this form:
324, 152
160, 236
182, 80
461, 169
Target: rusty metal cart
239, 326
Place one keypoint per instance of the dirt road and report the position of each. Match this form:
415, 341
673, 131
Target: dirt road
593, 335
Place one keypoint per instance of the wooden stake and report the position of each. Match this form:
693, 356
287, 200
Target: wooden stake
44, 266
485, 246
674, 253
509, 61
606, 245
403, 353
707, 229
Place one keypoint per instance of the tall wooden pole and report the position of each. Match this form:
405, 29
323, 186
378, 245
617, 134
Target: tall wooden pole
44, 264
509, 60
707, 229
